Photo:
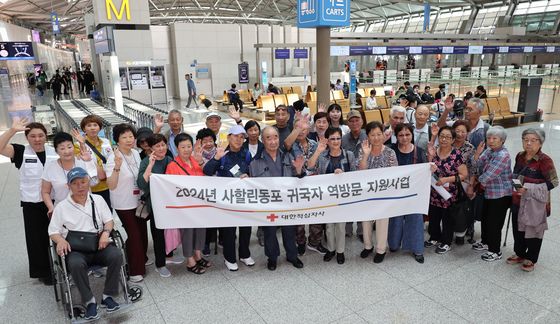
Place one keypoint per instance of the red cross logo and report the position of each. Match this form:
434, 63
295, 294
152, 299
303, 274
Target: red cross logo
271, 218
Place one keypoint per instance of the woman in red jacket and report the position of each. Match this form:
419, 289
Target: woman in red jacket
192, 238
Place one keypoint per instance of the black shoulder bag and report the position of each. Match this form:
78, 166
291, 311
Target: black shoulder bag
86, 242
96, 151
460, 209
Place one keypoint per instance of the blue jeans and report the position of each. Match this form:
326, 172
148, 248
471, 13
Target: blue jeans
407, 230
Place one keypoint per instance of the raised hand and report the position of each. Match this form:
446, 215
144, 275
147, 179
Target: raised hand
85, 154
234, 114
435, 130
431, 150
322, 144
298, 163
158, 121
449, 104
20, 125
152, 159
322, 107
78, 136
220, 152
479, 149
197, 151
366, 148
118, 159
388, 133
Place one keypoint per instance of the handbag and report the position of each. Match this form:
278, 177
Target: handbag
460, 209
86, 242
143, 210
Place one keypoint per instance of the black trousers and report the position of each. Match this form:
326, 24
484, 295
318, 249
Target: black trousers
106, 194
36, 224
78, 264
228, 235
441, 225
271, 246
527, 248
493, 217
158, 238
238, 104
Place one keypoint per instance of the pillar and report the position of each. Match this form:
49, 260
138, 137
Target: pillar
323, 65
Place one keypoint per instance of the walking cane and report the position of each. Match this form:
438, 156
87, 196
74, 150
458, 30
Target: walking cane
507, 228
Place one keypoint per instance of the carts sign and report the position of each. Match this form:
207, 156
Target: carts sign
323, 13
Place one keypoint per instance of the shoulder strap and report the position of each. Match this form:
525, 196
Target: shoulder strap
414, 155
93, 213
94, 149
184, 170
429, 132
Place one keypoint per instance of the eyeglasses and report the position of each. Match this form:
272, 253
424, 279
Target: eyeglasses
530, 140
447, 138
334, 139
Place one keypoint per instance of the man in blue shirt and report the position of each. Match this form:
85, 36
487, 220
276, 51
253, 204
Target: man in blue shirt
191, 88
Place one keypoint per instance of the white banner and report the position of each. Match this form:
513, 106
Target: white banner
199, 202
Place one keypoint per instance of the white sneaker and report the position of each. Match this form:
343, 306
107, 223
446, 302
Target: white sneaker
231, 266
137, 278
164, 272
248, 261
149, 262
178, 259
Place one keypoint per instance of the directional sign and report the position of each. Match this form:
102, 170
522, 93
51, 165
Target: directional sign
323, 13
16, 51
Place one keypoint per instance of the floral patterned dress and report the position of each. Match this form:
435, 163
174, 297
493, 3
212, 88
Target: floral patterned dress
447, 167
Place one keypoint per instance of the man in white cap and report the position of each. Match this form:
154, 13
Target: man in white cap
85, 212
233, 161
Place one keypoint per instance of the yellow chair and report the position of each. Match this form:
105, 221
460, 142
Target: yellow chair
280, 100
291, 98
268, 103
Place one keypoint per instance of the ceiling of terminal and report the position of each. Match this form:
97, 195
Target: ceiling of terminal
36, 13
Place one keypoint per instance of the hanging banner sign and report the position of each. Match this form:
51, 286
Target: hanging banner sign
475, 49
515, 49
16, 51
490, 49
447, 50
204, 202
340, 50
55, 24
301, 53
539, 49
460, 50
281, 53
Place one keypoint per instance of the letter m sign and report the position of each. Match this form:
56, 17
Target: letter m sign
125, 7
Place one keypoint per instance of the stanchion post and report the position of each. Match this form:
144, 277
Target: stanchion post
553, 98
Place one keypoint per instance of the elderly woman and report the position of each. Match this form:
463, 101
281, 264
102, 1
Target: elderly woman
30, 160
407, 230
462, 128
494, 168
376, 155
54, 185
99, 148
298, 144
320, 123
156, 163
192, 238
335, 160
253, 143
448, 165
125, 195
84, 212
531, 202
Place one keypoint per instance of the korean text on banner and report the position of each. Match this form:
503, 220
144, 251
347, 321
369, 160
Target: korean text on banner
198, 202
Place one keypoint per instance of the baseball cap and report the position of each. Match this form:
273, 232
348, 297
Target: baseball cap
353, 113
236, 130
76, 173
213, 114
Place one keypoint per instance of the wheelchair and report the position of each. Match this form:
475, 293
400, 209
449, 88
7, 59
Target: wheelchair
62, 282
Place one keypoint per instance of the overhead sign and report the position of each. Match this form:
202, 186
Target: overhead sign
16, 51
340, 50
475, 49
301, 53
361, 50
281, 53
133, 12
323, 13
243, 71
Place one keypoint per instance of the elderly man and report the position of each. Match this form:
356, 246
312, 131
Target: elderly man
473, 111
396, 117
352, 142
422, 131
275, 163
175, 121
233, 162
85, 212
282, 117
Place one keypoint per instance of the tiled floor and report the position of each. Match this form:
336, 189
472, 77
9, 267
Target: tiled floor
454, 288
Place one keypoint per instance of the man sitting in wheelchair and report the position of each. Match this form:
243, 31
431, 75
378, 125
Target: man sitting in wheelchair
79, 238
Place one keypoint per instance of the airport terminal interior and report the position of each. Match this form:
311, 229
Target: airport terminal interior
133, 61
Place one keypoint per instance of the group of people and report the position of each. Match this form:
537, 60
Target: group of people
61, 81
75, 184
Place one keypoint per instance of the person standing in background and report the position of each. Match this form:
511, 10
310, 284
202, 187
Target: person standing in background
191, 88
